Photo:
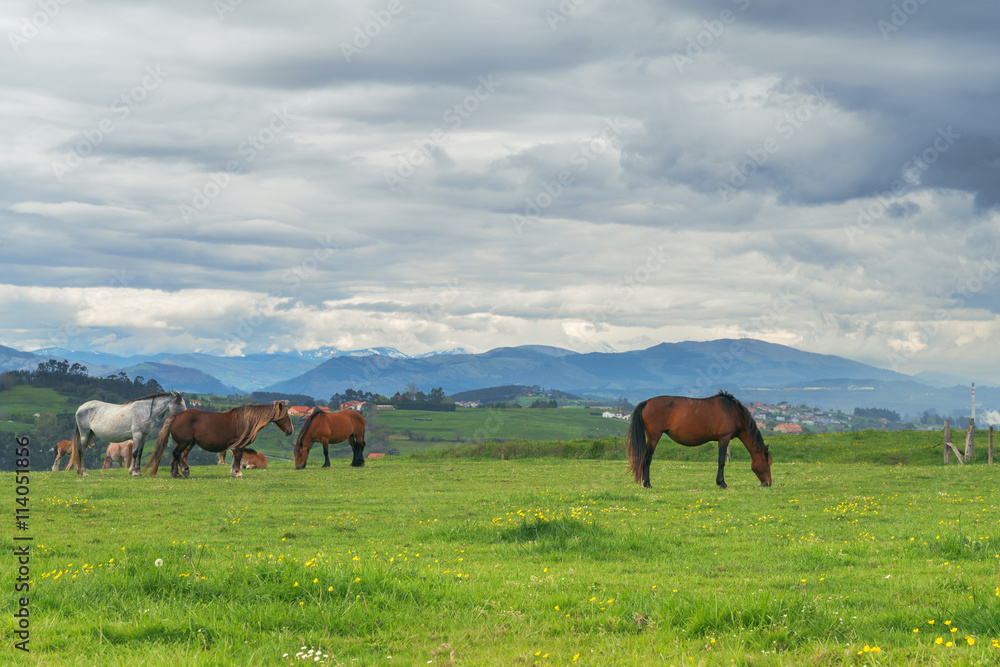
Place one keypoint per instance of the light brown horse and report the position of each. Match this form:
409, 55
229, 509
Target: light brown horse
215, 432
251, 459
692, 422
120, 452
327, 427
63, 448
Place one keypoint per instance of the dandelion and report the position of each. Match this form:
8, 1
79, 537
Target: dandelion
330, 588
158, 562
357, 579
938, 640
295, 584
949, 644
970, 640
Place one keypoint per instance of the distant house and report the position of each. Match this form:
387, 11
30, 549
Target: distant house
298, 411
790, 429
352, 405
608, 414
375, 455
385, 407
468, 404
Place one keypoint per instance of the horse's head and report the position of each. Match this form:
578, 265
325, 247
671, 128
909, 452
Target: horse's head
281, 417
178, 404
760, 463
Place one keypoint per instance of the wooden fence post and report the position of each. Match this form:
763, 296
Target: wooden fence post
970, 440
947, 439
990, 438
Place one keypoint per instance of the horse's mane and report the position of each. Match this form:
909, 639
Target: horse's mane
748, 421
252, 418
152, 396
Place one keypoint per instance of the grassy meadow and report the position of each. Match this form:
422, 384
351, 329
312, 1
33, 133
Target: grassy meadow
548, 561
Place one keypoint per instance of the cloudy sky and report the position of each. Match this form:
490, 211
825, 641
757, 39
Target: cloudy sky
234, 176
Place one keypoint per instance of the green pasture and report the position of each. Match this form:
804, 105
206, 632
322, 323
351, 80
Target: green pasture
547, 561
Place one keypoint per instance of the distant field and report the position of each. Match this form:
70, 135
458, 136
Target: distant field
485, 424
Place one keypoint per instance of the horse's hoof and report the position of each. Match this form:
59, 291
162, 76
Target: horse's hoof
325, 465
84, 474
723, 485
237, 474
134, 473
647, 486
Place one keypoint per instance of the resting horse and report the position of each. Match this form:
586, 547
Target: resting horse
251, 459
216, 432
114, 423
692, 422
327, 427
120, 452
63, 448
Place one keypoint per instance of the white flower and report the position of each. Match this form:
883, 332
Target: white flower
158, 562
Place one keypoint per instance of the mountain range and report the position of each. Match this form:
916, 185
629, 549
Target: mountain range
752, 369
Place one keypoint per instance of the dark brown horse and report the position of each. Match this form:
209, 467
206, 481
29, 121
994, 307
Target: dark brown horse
251, 459
692, 422
327, 427
216, 432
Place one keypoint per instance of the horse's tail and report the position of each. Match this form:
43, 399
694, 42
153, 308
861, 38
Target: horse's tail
161, 444
305, 427
635, 442
76, 456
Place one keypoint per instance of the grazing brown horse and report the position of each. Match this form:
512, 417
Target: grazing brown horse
692, 422
251, 459
327, 427
216, 432
120, 452
63, 448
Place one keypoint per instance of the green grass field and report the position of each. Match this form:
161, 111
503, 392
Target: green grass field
532, 561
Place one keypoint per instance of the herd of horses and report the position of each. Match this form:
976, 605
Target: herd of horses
687, 421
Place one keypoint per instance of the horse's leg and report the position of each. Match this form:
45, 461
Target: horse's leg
107, 464
138, 442
237, 457
650, 448
723, 449
175, 458
185, 468
85, 441
127, 463
222, 458
55, 466
326, 452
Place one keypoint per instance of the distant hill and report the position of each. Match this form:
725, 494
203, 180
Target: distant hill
180, 378
690, 368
